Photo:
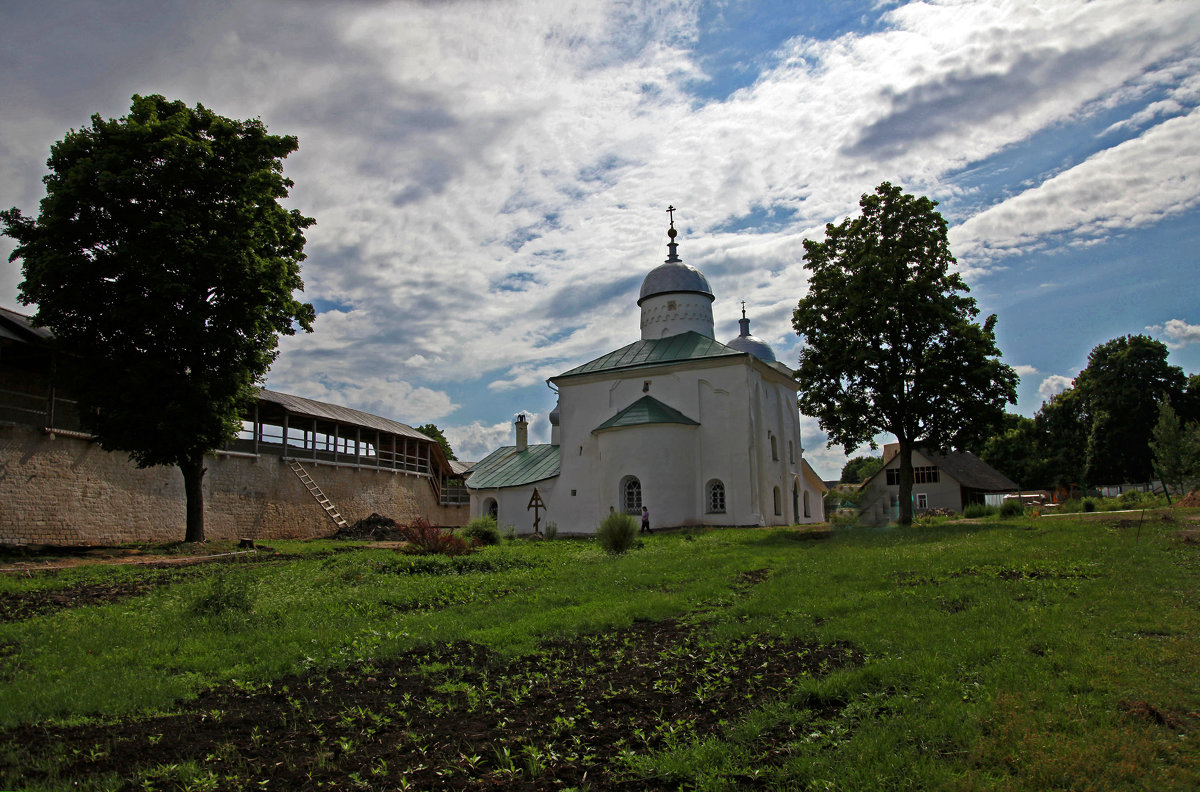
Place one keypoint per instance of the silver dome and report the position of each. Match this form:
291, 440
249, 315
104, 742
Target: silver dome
751, 344
674, 277
755, 346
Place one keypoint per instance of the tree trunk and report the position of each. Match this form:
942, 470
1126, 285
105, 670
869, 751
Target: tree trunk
906, 483
193, 478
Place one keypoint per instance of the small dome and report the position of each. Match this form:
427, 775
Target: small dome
555, 415
674, 277
755, 346
751, 344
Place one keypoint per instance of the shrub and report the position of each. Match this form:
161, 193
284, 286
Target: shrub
978, 510
616, 534
1011, 507
1089, 505
424, 538
482, 531
509, 532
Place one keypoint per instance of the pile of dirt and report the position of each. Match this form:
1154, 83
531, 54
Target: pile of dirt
1192, 500
375, 528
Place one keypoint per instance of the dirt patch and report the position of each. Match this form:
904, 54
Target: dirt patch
449, 717
1139, 710
166, 571
30, 561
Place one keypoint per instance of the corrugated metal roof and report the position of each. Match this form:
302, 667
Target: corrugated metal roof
646, 410
508, 467
653, 352
298, 405
18, 327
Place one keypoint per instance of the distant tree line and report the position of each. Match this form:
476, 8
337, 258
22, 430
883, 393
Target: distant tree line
1120, 421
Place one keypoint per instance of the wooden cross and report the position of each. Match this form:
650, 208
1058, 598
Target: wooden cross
671, 211
537, 504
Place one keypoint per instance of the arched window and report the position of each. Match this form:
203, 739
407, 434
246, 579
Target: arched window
491, 509
774, 448
716, 497
807, 509
778, 503
796, 499
631, 495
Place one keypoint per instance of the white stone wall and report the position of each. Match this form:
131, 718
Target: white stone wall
671, 314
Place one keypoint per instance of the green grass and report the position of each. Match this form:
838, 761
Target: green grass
1021, 654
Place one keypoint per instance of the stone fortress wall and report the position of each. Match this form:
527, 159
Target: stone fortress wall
59, 490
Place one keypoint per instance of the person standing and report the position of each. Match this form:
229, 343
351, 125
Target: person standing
646, 520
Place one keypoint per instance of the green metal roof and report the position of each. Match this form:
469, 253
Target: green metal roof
646, 410
685, 346
508, 467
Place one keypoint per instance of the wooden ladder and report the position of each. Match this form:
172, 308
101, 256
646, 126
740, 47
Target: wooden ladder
324, 502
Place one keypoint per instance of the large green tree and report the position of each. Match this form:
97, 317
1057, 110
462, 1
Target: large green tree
434, 433
891, 344
1119, 391
1017, 452
165, 266
859, 469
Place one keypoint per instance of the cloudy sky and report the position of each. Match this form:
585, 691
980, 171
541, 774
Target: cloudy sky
489, 178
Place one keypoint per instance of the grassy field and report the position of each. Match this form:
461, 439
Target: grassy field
986, 655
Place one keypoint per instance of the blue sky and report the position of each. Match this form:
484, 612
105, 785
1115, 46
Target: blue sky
489, 179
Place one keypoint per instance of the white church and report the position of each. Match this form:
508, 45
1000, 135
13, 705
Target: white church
698, 432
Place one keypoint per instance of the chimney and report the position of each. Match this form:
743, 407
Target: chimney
522, 433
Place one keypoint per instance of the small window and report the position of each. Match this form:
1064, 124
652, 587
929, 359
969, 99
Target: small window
807, 509
774, 449
922, 500
778, 503
791, 453
631, 495
716, 497
491, 509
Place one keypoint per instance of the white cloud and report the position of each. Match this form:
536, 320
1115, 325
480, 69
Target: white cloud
1025, 371
1054, 384
473, 441
489, 180
1178, 332
1136, 183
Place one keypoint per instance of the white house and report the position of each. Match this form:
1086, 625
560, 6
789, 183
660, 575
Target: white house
952, 480
699, 432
